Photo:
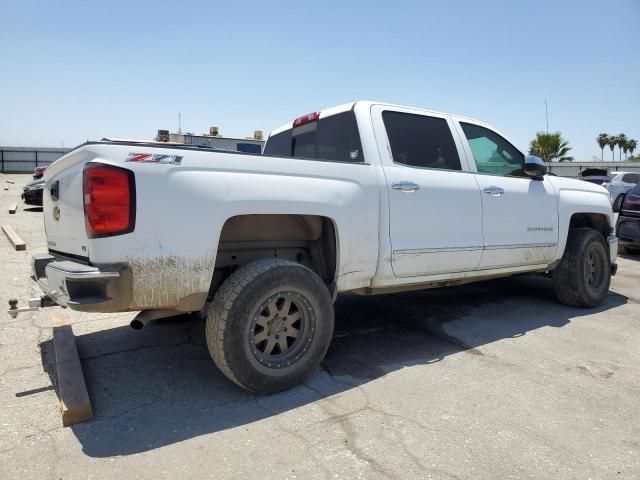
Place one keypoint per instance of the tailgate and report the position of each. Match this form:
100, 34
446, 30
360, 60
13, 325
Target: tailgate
63, 204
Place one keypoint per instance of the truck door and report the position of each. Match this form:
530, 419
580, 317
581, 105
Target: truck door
520, 214
435, 210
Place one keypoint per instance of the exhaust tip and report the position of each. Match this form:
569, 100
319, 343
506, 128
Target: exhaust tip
137, 324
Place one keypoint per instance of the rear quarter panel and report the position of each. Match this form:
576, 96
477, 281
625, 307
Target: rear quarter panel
181, 210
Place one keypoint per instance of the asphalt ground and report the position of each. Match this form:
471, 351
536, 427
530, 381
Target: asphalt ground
490, 380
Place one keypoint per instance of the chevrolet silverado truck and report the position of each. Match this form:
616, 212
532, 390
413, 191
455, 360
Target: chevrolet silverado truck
365, 197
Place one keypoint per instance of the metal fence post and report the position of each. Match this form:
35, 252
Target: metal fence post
36, 157
2, 159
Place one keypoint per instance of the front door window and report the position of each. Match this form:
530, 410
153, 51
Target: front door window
492, 153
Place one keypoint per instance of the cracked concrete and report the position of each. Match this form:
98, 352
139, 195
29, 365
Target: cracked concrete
491, 380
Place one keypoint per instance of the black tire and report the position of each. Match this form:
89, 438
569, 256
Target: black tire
617, 204
583, 276
247, 321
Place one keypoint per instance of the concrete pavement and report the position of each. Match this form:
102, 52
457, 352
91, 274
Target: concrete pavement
489, 380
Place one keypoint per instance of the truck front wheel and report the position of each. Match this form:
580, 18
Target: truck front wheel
269, 325
583, 276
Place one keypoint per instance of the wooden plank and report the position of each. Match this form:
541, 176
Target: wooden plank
74, 397
13, 207
14, 238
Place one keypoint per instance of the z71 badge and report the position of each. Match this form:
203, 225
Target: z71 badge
153, 158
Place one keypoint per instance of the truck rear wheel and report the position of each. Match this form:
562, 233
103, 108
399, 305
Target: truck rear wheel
269, 325
583, 276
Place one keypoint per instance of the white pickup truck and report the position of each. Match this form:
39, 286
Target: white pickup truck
364, 197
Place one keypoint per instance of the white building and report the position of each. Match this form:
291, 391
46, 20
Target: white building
214, 140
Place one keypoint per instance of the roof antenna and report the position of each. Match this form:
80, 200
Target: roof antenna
546, 111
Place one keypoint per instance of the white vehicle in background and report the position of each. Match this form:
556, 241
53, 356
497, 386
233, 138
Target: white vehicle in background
618, 184
366, 197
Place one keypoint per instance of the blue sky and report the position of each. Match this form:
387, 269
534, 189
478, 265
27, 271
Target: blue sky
71, 70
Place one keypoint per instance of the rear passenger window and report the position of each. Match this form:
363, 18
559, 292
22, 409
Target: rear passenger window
631, 178
331, 138
421, 141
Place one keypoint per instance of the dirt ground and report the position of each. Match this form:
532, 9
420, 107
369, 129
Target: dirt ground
489, 380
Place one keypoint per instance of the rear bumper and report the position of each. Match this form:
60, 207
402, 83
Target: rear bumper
82, 287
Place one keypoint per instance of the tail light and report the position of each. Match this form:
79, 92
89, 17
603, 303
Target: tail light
109, 200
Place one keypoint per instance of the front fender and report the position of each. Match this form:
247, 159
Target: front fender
572, 201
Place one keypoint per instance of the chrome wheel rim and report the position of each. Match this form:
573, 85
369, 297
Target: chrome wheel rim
282, 329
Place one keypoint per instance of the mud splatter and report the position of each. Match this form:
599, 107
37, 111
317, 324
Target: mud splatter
163, 281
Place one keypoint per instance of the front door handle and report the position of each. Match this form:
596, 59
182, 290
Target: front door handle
405, 186
494, 191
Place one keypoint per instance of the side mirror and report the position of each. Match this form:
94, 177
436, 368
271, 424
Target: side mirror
534, 167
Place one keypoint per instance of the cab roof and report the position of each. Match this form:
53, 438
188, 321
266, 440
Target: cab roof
367, 104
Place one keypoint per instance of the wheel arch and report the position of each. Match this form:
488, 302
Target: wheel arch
581, 208
596, 221
311, 240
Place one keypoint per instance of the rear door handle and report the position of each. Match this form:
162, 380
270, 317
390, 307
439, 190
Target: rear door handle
405, 186
494, 191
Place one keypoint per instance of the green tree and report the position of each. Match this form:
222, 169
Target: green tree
613, 141
550, 147
625, 148
603, 141
621, 140
631, 145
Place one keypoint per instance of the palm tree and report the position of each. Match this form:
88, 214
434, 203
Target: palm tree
603, 141
613, 141
550, 147
625, 148
631, 145
621, 140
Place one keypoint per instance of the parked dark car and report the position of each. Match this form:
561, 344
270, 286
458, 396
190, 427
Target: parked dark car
32, 193
39, 172
628, 226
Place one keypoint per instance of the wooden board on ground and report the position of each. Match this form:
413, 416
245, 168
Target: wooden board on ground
14, 238
13, 207
74, 397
